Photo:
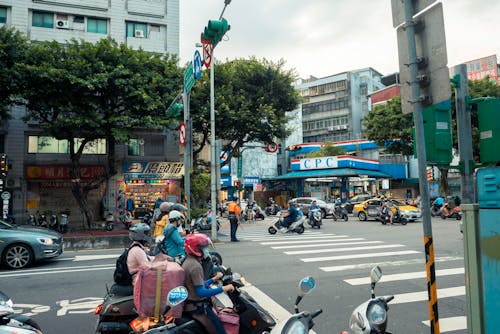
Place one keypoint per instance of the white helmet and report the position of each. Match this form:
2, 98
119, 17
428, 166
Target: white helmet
165, 206
175, 215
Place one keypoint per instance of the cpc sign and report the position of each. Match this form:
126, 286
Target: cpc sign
319, 163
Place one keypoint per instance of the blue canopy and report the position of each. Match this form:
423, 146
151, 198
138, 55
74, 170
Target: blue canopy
337, 172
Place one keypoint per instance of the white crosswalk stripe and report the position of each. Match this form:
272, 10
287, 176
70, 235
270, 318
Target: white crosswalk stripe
405, 276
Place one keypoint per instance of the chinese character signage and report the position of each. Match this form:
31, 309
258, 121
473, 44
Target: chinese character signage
153, 170
61, 172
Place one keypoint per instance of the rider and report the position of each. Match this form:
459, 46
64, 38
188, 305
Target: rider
173, 243
290, 216
312, 207
162, 219
387, 209
137, 257
198, 305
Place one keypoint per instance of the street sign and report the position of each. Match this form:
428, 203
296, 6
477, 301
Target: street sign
431, 46
272, 148
207, 52
240, 167
398, 9
197, 65
182, 134
188, 77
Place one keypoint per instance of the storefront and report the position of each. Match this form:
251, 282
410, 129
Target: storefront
146, 184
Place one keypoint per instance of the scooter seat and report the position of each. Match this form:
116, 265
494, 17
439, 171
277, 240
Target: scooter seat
121, 290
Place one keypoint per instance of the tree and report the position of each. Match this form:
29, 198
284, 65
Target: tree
82, 92
12, 51
390, 128
251, 98
328, 150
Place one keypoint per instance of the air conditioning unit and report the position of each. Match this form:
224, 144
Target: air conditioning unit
62, 24
139, 34
344, 126
337, 127
331, 128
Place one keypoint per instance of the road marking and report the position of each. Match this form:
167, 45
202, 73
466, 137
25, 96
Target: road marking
405, 276
306, 240
59, 270
422, 295
450, 324
344, 249
285, 237
356, 256
95, 257
330, 244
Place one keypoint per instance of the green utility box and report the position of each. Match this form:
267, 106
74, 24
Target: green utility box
437, 133
488, 113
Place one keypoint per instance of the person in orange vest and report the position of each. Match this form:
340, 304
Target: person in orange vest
234, 211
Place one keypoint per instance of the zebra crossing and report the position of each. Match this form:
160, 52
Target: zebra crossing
330, 252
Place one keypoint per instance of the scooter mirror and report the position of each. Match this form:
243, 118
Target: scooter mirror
306, 285
177, 295
375, 274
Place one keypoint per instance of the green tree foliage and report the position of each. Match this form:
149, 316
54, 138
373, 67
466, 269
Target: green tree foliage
328, 150
12, 51
251, 98
81, 92
389, 127
200, 182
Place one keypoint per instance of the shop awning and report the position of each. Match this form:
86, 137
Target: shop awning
338, 172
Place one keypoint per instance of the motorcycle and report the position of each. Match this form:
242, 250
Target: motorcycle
299, 322
64, 222
31, 220
204, 223
127, 219
341, 212
314, 219
15, 323
371, 316
53, 222
253, 318
42, 220
455, 213
436, 209
258, 213
384, 218
147, 218
249, 214
297, 226
272, 209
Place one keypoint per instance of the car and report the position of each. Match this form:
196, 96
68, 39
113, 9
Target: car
349, 205
22, 246
371, 209
327, 209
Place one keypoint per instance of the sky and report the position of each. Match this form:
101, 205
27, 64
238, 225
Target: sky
324, 37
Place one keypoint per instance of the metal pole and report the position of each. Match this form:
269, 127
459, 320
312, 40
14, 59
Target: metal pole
422, 174
464, 133
213, 156
187, 155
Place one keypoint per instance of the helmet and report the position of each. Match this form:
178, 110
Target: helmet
164, 207
291, 202
195, 243
139, 232
235, 198
175, 215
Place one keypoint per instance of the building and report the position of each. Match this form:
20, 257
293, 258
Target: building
148, 167
334, 106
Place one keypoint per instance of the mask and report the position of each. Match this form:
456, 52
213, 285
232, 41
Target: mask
206, 253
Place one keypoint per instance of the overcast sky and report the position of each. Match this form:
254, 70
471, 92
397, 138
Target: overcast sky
325, 37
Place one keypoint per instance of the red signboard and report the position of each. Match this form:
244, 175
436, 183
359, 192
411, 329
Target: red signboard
61, 172
480, 68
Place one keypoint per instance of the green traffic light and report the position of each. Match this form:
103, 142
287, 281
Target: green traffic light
175, 110
215, 30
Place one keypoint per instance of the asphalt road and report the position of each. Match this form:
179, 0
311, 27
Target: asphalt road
62, 294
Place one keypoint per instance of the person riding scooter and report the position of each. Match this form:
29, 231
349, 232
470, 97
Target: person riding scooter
290, 216
312, 207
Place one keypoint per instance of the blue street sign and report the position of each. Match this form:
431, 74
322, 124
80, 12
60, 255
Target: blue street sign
197, 65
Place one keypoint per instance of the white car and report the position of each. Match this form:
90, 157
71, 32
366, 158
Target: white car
327, 209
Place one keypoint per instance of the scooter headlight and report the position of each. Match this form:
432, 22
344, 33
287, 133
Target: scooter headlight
376, 314
295, 326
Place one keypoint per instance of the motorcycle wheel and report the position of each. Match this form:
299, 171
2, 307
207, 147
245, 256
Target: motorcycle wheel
110, 227
300, 229
272, 230
383, 222
346, 218
404, 222
216, 258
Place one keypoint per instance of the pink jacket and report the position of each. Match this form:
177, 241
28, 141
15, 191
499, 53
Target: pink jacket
137, 257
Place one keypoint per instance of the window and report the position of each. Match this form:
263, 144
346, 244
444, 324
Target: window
132, 27
3, 14
79, 19
98, 26
134, 146
43, 20
46, 144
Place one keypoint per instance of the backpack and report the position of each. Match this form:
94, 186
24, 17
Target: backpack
121, 275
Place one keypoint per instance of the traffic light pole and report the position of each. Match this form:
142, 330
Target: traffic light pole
213, 175
422, 174
187, 156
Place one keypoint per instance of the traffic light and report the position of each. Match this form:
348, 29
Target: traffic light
293, 148
430, 174
175, 110
4, 167
215, 30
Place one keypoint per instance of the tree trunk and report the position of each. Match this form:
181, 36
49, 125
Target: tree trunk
443, 181
81, 198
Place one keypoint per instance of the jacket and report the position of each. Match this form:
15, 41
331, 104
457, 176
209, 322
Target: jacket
173, 242
160, 226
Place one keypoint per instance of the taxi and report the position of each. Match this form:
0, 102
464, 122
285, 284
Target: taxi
370, 209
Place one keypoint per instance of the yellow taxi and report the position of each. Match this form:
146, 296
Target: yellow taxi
371, 209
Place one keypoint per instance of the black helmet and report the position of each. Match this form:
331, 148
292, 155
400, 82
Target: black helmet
139, 232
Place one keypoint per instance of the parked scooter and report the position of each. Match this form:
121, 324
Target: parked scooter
299, 322
109, 225
64, 222
127, 219
12, 323
31, 220
314, 218
53, 222
371, 316
204, 222
42, 220
297, 226
341, 212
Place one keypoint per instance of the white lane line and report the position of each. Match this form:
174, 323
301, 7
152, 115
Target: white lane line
450, 324
59, 271
306, 240
422, 295
405, 276
344, 249
95, 257
292, 237
388, 263
330, 244
356, 256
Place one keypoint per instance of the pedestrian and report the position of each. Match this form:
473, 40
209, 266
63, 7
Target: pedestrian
234, 211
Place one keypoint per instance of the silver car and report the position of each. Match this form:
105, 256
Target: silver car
21, 246
327, 209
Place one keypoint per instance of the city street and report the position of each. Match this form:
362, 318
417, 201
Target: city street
62, 294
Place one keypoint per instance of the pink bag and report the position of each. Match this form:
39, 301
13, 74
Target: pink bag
153, 285
229, 318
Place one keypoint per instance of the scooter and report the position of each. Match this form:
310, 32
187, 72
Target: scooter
12, 323
436, 209
204, 223
455, 213
253, 318
64, 222
341, 212
297, 226
371, 316
258, 212
315, 220
299, 322
127, 219
31, 220
42, 220
385, 219
272, 209
249, 214
53, 222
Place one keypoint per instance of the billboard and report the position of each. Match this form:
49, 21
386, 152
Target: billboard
480, 68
